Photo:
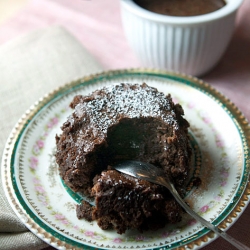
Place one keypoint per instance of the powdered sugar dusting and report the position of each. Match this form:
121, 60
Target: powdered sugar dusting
125, 101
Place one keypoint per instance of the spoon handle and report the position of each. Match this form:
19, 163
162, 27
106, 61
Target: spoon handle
206, 223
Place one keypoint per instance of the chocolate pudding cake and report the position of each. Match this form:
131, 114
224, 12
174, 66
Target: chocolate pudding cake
181, 7
124, 122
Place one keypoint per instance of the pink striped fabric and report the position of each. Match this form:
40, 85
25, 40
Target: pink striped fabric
96, 23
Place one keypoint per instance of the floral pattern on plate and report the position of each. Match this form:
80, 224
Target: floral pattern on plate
221, 163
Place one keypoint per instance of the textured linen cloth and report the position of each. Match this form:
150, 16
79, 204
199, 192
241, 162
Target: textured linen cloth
30, 67
97, 25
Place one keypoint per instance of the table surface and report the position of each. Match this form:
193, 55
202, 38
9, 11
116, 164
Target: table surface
9, 8
97, 25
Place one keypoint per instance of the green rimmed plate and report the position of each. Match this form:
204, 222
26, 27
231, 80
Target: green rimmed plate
221, 138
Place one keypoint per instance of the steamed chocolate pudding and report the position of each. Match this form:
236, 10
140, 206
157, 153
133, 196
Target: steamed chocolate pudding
181, 7
124, 122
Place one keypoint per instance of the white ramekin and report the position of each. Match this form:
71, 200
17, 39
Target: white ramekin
192, 45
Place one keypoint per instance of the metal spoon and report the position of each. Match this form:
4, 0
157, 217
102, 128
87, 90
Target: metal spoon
156, 175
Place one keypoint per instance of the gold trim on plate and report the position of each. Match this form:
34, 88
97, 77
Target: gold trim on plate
230, 107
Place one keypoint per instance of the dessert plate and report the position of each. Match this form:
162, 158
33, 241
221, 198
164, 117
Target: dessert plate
220, 140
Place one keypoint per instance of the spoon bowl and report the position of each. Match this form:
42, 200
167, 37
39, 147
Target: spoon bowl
151, 173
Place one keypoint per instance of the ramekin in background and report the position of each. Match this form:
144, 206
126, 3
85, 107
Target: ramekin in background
192, 45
